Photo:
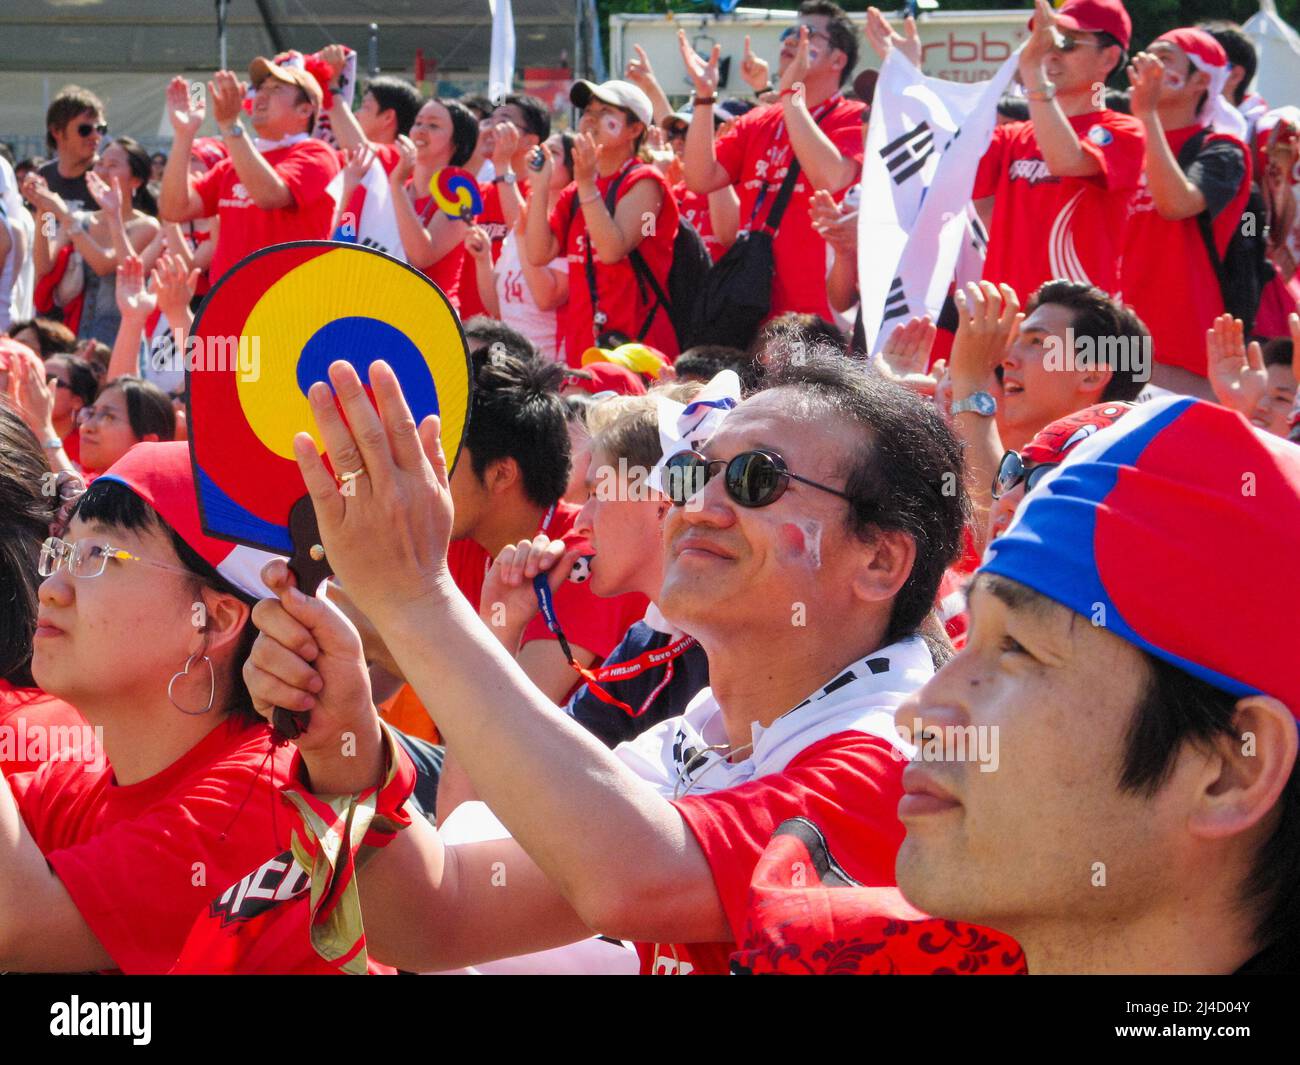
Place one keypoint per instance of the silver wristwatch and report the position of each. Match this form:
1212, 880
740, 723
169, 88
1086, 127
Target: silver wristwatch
980, 402
236, 130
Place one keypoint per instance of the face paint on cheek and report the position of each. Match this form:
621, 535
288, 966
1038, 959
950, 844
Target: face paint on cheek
1174, 80
611, 125
802, 541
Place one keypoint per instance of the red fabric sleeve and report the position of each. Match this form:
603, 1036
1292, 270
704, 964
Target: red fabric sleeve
141, 884
849, 784
1121, 160
208, 186
563, 214
990, 168
848, 135
307, 171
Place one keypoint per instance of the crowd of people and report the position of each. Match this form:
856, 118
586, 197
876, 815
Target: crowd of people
731, 641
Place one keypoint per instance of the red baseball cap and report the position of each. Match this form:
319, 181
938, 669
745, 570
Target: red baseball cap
1096, 16
607, 377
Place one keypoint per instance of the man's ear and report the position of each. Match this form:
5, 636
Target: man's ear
502, 474
1246, 773
884, 565
1093, 383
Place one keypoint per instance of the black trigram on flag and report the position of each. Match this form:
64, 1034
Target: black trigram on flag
895, 302
905, 155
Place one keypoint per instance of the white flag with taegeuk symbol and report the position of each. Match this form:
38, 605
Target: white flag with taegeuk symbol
924, 145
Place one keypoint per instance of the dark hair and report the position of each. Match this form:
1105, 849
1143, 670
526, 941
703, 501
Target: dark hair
26, 512
537, 120
464, 131
1278, 352
142, 169
1015, 108
492, 331
566, 142
908, 477
479, 104
1240, 48
1118, 100
399, 96
839, 28
704, 361
1098, 316
516, 412
158, 157
82, 380
54, 338
72, 101
148, 408
790, 330
1109, 40
1178, 708
114, 504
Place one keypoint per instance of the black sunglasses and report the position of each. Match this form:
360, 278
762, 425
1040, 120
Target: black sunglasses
752, 478
1012, 471
86, 128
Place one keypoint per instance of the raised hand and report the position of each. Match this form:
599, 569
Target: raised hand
585, 154
905, 358
386, 538
1146, 77
334, 56
185, 112
1044, 37
357, 162
134, 302
703, 75
988, 317
478, 243
508, 602
539, 178
405, 161
227, 97
755, 70
1236, 371
639, 71
835, 225
798, 68
173, 287
504, 145
883, 38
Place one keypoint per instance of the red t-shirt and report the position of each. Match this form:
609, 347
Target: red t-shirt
1047, 228
589, 621
756, 153
493, 219
306, 168
72, 445
36, 727
620, 294
694, 207
143, 862
851, 781
1179, 305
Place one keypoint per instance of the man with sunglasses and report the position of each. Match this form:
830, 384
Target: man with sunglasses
1054, 192
74, 129
804, 556
812, 125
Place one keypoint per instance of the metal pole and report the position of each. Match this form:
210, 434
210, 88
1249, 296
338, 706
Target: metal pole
374, 49
223, 9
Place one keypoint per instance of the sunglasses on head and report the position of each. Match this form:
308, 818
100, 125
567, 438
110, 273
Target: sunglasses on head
752, 478
1012, 471
87, 128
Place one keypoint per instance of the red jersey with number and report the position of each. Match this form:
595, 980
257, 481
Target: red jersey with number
1047, 228
1180, 305
756, 153
306, 168
624, 299
144, 862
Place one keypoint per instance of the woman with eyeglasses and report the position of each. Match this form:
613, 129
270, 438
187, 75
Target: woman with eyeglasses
129, 411
124, 226
145, 863
444, 134
615, 223
28, 514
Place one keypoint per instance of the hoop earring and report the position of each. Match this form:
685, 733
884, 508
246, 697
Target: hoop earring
212, 685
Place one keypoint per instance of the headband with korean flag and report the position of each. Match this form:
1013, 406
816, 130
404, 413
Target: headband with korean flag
1207, 55
686, 426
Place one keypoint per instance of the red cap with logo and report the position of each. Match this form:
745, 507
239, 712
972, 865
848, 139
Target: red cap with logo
1096, 16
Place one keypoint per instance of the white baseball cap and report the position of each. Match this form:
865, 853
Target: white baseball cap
617, 94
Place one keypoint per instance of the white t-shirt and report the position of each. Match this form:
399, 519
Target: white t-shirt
518, 309
17, 275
